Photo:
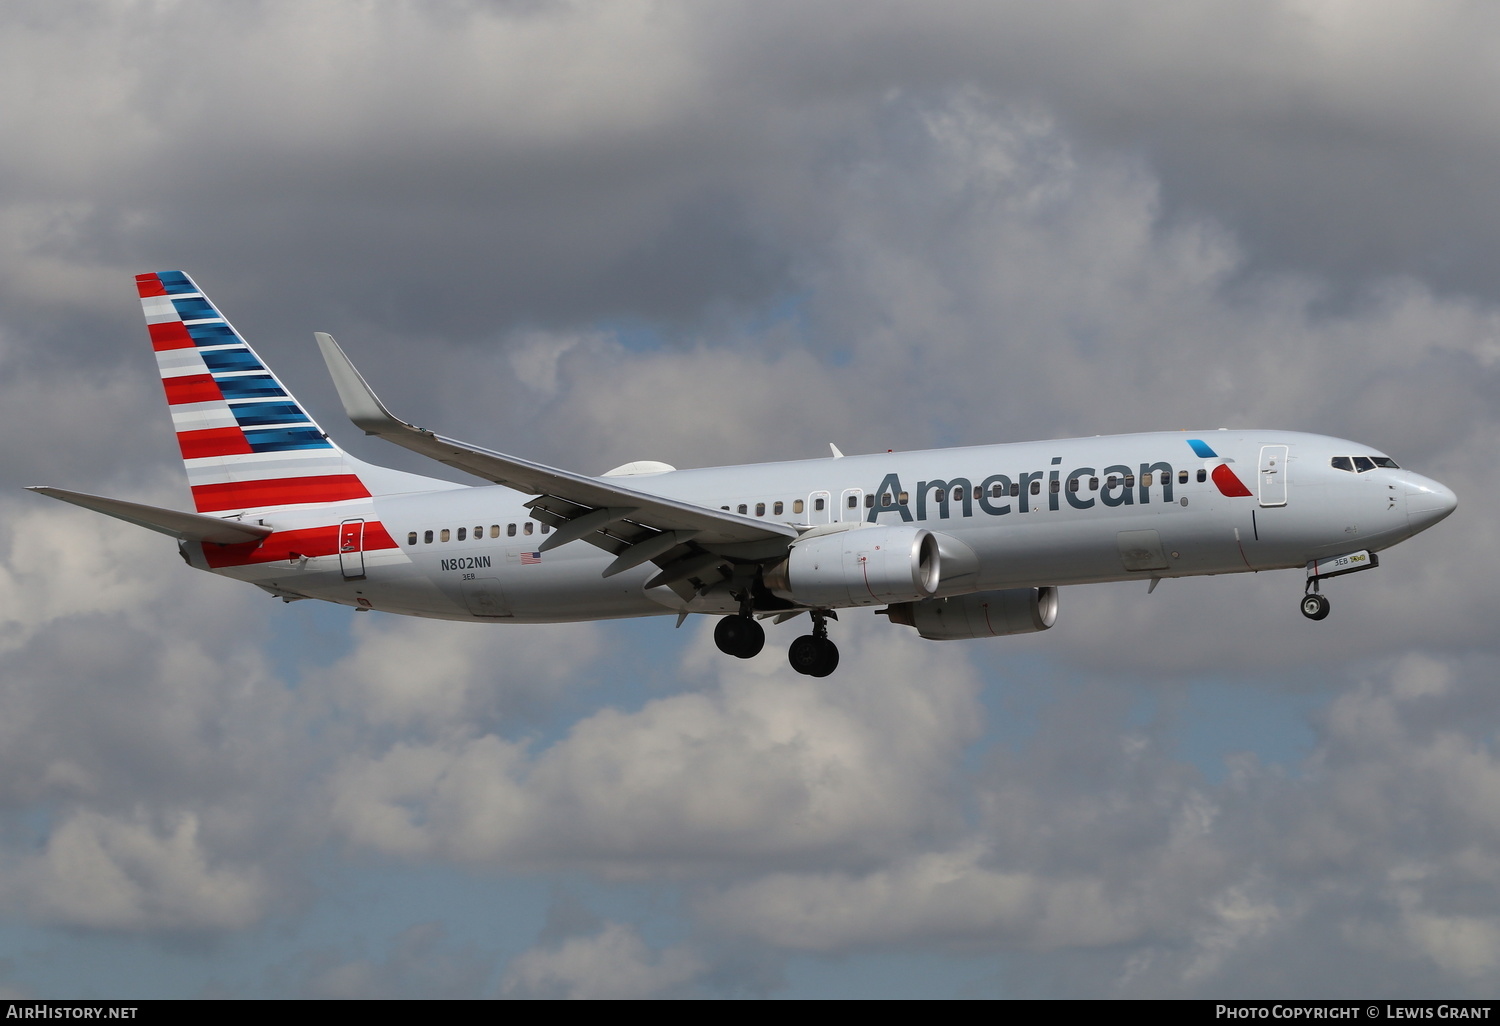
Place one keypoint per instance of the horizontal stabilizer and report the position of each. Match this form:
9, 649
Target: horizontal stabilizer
187, 526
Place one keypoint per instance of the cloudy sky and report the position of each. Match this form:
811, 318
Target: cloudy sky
720, 232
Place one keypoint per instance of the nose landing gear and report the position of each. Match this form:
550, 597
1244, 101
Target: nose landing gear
813, 654
1314, 606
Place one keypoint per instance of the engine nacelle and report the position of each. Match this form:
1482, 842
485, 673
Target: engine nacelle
864, 566
985, 614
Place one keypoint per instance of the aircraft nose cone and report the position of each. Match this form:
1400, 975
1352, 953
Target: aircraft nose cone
1427, 502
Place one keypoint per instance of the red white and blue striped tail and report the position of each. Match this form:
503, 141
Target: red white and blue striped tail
246, 442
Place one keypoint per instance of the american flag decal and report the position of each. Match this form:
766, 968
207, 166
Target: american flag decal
530, 557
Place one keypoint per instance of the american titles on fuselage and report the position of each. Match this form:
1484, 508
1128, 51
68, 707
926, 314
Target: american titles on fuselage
1116, 485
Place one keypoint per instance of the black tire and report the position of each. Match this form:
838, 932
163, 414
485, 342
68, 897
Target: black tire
740, 636
828, 658
805, 655
1314, 607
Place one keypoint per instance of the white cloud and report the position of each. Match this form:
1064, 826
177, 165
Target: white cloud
760, 766
616, 963
107, 873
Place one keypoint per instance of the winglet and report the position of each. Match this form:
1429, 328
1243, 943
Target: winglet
361, 403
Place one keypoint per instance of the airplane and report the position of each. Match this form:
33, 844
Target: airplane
956, 543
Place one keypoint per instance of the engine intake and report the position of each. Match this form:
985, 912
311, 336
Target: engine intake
864, 566
984, 614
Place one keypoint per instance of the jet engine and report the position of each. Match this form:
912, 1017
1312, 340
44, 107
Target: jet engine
984, 614
864, 566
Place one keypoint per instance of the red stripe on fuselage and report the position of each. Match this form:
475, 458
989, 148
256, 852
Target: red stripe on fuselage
286, 546
191, 388
224, 441
149, 285
170, 335
1229, 482
284, 491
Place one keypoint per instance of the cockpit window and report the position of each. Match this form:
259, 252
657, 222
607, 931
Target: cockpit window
1360, 464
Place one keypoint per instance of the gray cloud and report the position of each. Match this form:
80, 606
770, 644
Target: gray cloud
591, 233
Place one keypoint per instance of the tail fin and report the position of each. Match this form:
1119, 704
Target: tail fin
246, 442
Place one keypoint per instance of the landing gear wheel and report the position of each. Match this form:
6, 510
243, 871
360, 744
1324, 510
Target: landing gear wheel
813, 656
1314, 606
740, 636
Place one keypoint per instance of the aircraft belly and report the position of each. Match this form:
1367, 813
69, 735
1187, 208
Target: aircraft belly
567, 587
1089, 549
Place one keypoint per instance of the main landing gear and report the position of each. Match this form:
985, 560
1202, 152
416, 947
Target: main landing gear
740, 636
812, 654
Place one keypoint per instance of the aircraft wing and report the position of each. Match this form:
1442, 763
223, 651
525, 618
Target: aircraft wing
187, 526
681, 537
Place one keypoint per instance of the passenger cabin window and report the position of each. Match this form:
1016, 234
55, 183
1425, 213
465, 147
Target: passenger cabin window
1129, 480
1015, 489
411, 538
1202, 475
1093, 484
776, 509
444, 535
1145, 480
510, 530
1036, 488
1056, 487
546, 528
1182, 477
870, 501
819, 504
427, 537
494, 530
1072, 484
742, 508
958, 494
760, 509
997, 491
798, 505
526, 527
463, 532
853, 502
902, 498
